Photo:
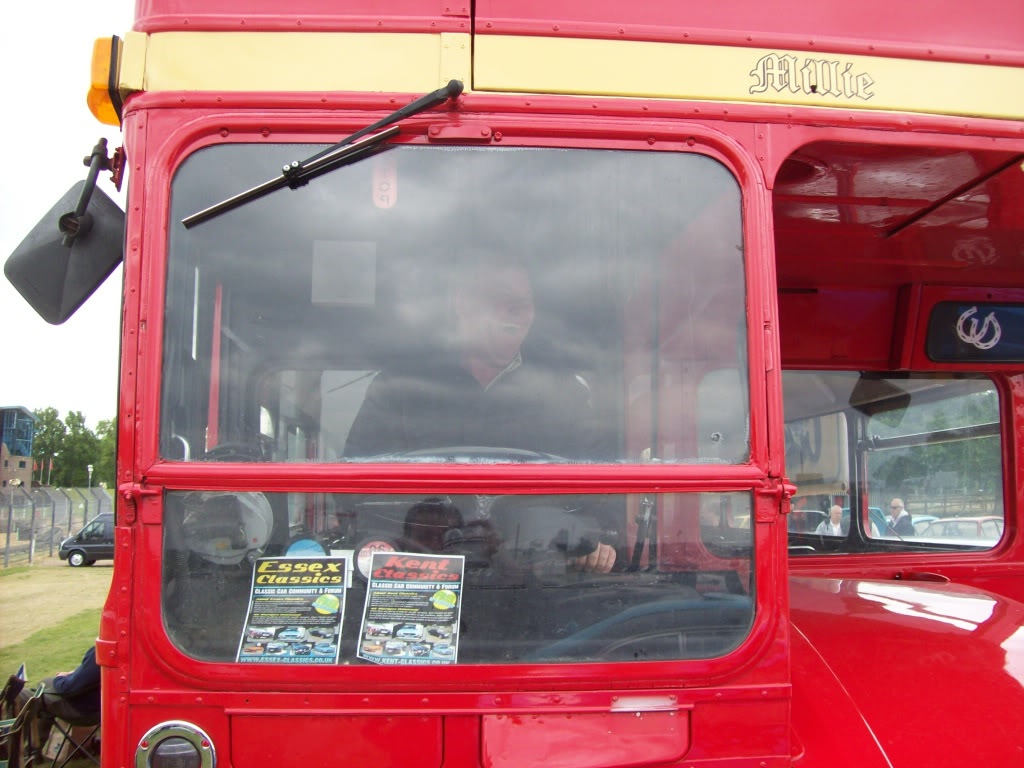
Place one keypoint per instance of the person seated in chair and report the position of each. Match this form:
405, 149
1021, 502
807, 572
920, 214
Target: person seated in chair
71, 696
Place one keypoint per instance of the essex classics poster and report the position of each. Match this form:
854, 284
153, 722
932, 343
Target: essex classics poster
296, 607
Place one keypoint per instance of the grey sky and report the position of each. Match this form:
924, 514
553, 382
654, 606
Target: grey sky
45, 49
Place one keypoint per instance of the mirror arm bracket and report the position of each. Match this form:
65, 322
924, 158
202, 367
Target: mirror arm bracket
78, 222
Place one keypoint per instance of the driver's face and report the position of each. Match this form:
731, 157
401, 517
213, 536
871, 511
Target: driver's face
495, 313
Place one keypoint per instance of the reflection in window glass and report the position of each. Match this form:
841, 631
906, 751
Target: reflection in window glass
546, 578
927, 448
502, 305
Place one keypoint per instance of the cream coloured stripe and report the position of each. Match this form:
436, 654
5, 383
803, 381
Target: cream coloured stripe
416, 63
720, 73
292, 61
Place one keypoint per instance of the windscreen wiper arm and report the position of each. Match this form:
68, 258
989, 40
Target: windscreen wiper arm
349, 150
294, 175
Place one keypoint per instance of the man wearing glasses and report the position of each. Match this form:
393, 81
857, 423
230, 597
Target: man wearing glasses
899, 521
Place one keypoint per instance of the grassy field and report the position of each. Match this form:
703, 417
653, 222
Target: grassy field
49, 616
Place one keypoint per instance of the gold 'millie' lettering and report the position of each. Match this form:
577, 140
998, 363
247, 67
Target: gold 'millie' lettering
824, 77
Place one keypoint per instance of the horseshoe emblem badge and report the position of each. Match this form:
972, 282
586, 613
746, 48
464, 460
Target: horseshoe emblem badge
984, 337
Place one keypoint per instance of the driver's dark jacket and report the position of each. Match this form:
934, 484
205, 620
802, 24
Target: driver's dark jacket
530, 408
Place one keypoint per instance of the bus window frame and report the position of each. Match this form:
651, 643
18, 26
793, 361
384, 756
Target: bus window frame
201, 133
760, 475
887, 558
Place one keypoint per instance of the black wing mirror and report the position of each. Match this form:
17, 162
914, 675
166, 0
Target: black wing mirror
70, 252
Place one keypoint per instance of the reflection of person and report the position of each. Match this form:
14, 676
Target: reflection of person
71, 696
899, 521
483, 392
432, 525
833, 526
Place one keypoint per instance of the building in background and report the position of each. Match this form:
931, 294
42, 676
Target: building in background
17, 429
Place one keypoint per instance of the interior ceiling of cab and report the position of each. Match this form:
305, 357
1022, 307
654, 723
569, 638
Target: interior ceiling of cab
816, 393
876, 216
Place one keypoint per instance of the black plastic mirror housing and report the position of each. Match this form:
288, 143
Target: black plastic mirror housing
56, 279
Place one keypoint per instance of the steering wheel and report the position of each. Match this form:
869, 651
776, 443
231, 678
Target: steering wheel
472, 454
235, 452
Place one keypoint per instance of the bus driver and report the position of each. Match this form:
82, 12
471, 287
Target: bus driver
482, 392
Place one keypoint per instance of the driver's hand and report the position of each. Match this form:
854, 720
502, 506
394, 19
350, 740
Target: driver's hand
600, 560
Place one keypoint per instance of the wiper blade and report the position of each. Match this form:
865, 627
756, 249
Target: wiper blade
349, 150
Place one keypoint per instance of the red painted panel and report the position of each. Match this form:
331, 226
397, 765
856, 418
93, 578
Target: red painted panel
757, 729
303, 15
990, 32
942, 29
325, 741
899, 659
621, 739
836, 327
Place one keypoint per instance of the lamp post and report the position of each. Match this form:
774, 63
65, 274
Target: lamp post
88, 493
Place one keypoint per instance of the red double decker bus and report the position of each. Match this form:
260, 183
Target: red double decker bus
517, 383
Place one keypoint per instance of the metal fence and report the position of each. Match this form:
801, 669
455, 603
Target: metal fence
34, 521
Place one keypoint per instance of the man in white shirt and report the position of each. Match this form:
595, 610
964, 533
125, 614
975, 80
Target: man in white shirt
833, 526
899, 522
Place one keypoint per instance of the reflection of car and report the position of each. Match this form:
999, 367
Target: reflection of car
921, 522
378, 630
444, 649
260, 634
291, 633
420, 649
409, 632
441, 633
394, 647
988, 528
372, 646
276, 649
329, 649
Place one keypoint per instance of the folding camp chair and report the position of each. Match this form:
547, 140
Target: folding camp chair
18, 745
9, 695
69, 745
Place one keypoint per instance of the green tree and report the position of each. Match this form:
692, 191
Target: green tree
106, 461
81, 448
48, 442
73, 447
